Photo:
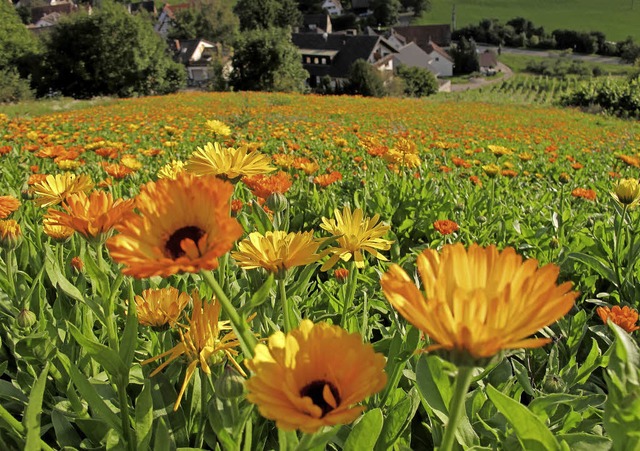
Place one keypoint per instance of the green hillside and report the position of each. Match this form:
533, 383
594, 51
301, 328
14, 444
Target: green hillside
617, 19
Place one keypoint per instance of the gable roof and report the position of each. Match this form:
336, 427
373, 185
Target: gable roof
488, 59
184, 49
343, 49
433, 47
422, 34
412, 56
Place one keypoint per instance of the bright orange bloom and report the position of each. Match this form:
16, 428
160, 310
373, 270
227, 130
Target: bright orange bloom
8, 204
625, 317
325, 180
446, 226
584, 193
264, 185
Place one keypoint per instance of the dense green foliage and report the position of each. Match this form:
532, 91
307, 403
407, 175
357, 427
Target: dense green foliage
364, 80
213, 20
465, 57
621, 98
418, 82
109, 52
262, 14
385, 12
266, 60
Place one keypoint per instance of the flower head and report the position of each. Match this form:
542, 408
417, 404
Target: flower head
314, 376
8, 204
491, 170
265, 185
479, 301
158, 307
171, 170
355, 233
53, 230
55, 188
584, 193
183, 225
446, 226
627, 192
625, 317
92, 216
218, 128
202, 343
10, 234
227, 163
277, 251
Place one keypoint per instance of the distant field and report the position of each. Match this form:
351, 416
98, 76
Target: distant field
615, 18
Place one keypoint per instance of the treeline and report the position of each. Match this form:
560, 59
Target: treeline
520, 32
617, 97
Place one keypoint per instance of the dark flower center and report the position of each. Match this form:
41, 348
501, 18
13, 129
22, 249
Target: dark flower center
172, 246
315, 389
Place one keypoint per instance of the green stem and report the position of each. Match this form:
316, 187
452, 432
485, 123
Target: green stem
10, 271
124, 415
351, 291
456, 407
287, 309
204, 394
247, 340
616, 247
8, 419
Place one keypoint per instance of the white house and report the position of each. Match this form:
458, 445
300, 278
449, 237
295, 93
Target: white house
440, 63
333, 7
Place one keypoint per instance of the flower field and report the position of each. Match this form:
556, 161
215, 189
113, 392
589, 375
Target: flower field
241, 271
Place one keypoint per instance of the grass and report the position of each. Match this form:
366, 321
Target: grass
615, 18
41, 107
518, 63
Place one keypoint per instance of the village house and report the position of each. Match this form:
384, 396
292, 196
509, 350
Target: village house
197, 55
333, 7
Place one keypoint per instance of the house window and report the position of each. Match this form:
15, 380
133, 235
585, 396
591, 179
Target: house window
324, 61
308, 60
315, 60
437, 58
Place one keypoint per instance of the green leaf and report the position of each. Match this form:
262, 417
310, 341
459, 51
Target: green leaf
105, 356
66, 435
434, 385
530, 431
586, 442
365, 433
260, 296
129, 336
98, 278
217, 424
593, 360
522, 374
58, 279
95, 401
398, 419
144, 417
162, 437
597, 264
31, 420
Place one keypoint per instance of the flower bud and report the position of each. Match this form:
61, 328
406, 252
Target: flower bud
26, 318
277, 202
230, 384
10, 234
553, 383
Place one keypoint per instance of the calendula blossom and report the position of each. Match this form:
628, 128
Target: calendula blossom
227, 163
477, 302
218, 127
158, 307
314, 376
627, 192
8, 204
625, 317
355, 234
55, 188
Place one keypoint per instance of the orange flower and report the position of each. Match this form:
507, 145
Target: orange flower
8, 204
584, 193
77, 263
445, 226
325, 180
624, 317
341, 274
264, 185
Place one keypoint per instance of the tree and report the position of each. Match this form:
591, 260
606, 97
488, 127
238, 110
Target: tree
385, 12
465, 57
266, 60
418, 82
18, 49
263, 14
109, 52
212, 20
418, 6
365, 80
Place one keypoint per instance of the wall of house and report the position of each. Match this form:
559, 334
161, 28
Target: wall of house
439, 65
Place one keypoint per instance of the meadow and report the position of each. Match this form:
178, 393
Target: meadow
243, 271
617, 19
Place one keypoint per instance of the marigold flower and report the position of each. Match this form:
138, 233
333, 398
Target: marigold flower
508, 173
94, 216
183, 225
355, 233
8, 204
227, 163
479, 301
171, 170
584, 193
55, 188
10, 234
341, 274
499, 150
625, 317
56, 231
446, 226
314, 376
264, 185
491, 170
218, 127
325, 180
158, 307
277, 251
77, 263
202, 343
627, 192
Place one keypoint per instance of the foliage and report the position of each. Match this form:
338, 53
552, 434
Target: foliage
263, 14
109, 52
419, 82
364, 80
385, 12
621, 98
212, 20
465, 57
13, 88
418, 6
266, 60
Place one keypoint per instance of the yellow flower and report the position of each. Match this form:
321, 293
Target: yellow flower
55, 231
55, 188
10, 234
218, 127
627, 192
158, 307
183, 225
499, 150
404, 153
171, 170
479, 302
202, 343
277, 251
491, 170
625, 317
227, 163
355, 233
131, 162
92, 216
314, 376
